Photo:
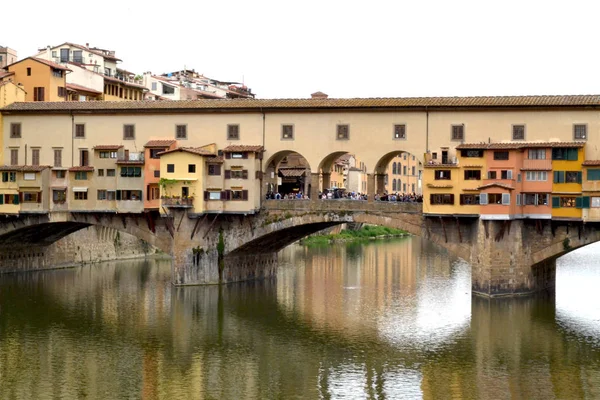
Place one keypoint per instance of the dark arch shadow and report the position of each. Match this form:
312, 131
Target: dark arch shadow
43, 234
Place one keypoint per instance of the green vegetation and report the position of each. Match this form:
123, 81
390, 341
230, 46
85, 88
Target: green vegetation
367, 232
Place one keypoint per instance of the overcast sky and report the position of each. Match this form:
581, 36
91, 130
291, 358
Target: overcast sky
374, 48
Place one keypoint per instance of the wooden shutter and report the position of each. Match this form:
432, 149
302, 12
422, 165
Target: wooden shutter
244, 195
228, 195
483, 198
217, 169
555, 202
578, 202
224, 195
585, 202
35, 157
245, 173
505, 198
148, 192
16, 198
509, 174
228, 155
245, 155
206, 195
39, 199
20, 197
258, 175
579, 176
118, 195
227, 174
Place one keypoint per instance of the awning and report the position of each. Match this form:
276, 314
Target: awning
80, 189
9, 191
58, 187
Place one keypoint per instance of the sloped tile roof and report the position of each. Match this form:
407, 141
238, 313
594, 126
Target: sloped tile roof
578, 101
241, 148
497, 184
130, 162
434, 165
160, 143
215, 160
517, 145
24, 168
292, 172
108, 147
79, 88
81, 169
192, 150
588, 163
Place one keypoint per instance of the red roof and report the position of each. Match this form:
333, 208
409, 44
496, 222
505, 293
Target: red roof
48, 63
216, 159
81, 169
517, 145
24, 168
160, 143
240, 148
591, 163
108, 147
498, 184
192, 150
4, 74
131, 162
79, 88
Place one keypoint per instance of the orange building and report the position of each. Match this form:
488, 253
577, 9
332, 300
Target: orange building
152, 170
42, 80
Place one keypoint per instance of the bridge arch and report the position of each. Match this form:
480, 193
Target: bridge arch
295, 174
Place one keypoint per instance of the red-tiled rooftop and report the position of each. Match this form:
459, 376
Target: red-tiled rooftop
591, 163
78, 88
241, 148
81, 169
517, 145
24, 168
130, 162
292, 172
108, 147
496, 184
406, 103
43, 61
160, 143
216, 159
192, 150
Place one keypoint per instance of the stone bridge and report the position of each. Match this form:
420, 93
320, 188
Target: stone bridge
507, 257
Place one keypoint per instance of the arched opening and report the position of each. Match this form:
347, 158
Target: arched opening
287, 174
342, 174
400, 173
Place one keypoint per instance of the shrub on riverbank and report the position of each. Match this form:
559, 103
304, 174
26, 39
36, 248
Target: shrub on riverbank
367, 232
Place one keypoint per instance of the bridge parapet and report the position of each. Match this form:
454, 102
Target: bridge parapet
342, 205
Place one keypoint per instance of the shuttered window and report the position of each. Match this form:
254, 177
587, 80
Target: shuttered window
458, 132
233, 132
38, 94
58, 157
128, 132
79, 130
14, 156
15, 130
181, 131
593, 174
35, 156
506, 198
399, 131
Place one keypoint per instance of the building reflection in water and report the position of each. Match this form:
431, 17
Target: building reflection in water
391, 319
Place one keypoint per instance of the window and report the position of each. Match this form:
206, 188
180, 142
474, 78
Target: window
238, 194
518, 132
237, 174
14, 156
238, 155
9, 177
35, 156
434, 156
59, 196
536, 154
57, 73
458, 132
62, 92
101, 194
233, 132
157, 173
569, 202
404, 187
471, 153
413, 170
134, 195
30, 197
442, 175
111, 172
535, 199
60, 174
170, 168
192, 168
154, 152
38, 94
593, 174
501, 155
15, 130
343, 132
469, 199
472, 175
287, 132
131, 172
595, 202
394, 168
84, 158
80, 195
214, 169
213, 195
399, 131
154, 86
107, 154
506, 174
441, 199
404, 156
111, 195
154, 193
128, 132
181, 131
495, 198
562, 153
79, 130
491, 174
29, 176
81, 175
394, 185
536, 175
572, 177
580, 131
28, 71
100, 172
58, 157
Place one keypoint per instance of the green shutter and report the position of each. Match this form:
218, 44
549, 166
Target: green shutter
572, 155
585, 202
579, 176
118, 195
1, 199
559, 176
15, 199
593, 174
578, 202
555, 202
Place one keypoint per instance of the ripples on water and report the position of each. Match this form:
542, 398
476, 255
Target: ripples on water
391, 319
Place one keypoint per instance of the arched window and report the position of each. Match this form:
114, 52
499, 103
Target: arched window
394, 181
394, 168
398, 184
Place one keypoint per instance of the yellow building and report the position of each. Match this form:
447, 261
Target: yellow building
591, 191
24, 189
42, 80
567, 180
9, 93
404, 175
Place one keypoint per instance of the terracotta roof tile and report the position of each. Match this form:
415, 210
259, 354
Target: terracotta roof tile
192, 150
588, 163
79, 88
108, 147
111, 79
217, 159
160, 143
433, 165
24, 168
4, 74
241, 147
81, 169
578, 101
517, 145
130, 162
292, 172
497, 184
439, 186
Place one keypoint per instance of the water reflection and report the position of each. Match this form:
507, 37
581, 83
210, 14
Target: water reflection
378, 320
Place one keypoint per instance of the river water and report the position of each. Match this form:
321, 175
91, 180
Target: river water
392, 319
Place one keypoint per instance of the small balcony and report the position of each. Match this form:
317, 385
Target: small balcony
177, 202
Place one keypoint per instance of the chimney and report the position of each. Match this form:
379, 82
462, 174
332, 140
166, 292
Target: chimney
49, 53
87, 45
319, 95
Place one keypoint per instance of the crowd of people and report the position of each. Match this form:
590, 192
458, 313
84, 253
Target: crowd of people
338, 194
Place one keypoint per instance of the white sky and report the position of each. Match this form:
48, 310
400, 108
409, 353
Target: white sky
374, 48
